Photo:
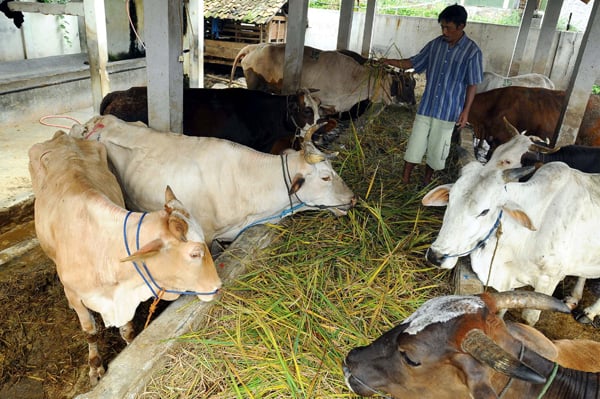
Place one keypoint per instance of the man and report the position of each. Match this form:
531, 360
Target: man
453, 67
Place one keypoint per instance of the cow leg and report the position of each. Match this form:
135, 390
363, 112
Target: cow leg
576, 294
127, 332
88, 325
590, 313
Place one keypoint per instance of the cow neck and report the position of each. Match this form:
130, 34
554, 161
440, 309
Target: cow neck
495, 228
290, 118
155, 288
287, 179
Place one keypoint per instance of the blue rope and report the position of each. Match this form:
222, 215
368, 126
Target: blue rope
281, 215
137, 268
481, 242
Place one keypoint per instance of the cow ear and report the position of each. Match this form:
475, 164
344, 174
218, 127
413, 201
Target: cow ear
519, 216
148, 250
297, 182
178, 227
438, 196
533, 339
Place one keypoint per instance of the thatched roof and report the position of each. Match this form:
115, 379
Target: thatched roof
254, 11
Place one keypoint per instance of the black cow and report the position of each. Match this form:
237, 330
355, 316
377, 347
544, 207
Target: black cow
580, 157
253, 118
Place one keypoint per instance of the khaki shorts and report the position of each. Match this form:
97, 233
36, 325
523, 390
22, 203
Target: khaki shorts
430, 137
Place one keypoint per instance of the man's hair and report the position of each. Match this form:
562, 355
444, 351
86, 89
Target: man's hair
454, 13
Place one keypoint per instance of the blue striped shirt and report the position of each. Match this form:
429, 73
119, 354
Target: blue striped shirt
449, 70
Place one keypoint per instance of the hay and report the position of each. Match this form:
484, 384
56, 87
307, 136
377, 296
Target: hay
324, 286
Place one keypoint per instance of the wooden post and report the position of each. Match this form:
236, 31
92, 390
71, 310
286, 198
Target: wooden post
345, 26
95, 33
294, 47
164, 59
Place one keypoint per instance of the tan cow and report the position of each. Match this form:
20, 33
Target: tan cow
82, 226
342, 78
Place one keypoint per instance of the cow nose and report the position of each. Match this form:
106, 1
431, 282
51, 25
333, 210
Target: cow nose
433, 257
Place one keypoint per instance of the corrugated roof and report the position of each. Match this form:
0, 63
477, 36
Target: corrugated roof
255, 11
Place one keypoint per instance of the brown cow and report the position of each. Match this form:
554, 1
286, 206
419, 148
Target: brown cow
456, 347
82, 226
535, 110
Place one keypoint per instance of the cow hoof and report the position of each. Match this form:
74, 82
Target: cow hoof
96, 374
581, 317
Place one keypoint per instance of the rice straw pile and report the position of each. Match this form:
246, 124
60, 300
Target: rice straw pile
324, 286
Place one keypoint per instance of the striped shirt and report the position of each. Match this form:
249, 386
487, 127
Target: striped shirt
449, 70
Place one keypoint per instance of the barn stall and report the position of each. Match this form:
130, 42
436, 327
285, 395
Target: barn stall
322, 286
318, 290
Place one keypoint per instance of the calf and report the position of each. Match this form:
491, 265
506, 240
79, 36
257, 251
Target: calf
583, 158
82, 226
458, 347
253, 118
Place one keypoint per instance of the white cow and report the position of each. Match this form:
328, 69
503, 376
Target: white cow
521, 233
492, 80
227, 186
82, 226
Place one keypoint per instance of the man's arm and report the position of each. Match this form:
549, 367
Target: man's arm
404, 63
464, 115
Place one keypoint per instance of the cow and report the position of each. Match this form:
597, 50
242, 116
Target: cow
492, 80
580, 157
517, 233
228, 187
352, 82
457, 347
534, 110
82, 226
253, 118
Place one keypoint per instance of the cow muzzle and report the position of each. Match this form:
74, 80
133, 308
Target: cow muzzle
440, 260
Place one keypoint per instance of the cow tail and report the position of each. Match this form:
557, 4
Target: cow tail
244, 51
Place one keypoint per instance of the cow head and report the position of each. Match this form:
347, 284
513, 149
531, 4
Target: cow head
179, 259
313, 181
451, 347
476, 203
303, 110
402, 88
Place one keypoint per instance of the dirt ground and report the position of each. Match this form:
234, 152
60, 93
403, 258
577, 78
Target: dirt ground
43, 352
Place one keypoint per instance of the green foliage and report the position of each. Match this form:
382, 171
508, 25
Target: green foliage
595, 89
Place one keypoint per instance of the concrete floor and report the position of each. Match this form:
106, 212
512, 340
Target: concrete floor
15, 141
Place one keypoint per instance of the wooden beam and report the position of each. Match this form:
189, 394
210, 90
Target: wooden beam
524, 28
196, 40
368, 29
294, 47
345, 26
95, 34
546, 37
71, 8
163, 38
584, 75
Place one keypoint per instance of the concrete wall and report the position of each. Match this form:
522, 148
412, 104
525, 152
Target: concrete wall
404, 36
42, 35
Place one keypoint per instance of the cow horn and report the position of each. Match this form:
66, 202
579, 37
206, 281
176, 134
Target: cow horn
542, 149
312, 130
510, 128
514, 174
485, 350
528, 300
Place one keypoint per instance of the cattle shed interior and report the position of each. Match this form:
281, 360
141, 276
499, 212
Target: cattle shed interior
163, 71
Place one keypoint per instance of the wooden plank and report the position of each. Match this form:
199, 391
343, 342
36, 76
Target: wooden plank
72, 8
95, 28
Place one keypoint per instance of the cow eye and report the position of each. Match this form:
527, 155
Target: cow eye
484, 212
327, 178
408, 360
